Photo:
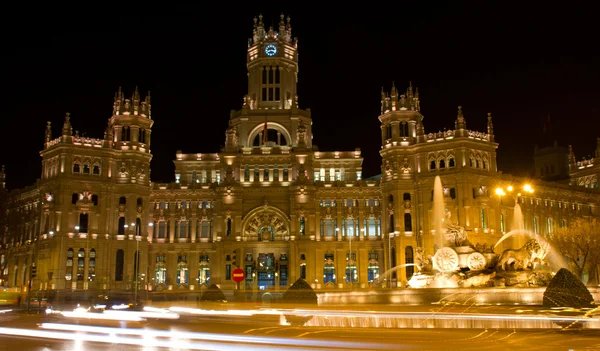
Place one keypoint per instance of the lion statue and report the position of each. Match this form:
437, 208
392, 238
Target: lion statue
523, 257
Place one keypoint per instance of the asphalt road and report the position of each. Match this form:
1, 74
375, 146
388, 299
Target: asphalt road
267, 333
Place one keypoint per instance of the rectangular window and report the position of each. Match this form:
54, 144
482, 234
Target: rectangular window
270, 94
286, 173
271, 72
502, 228
277, 94
264, 94
277, 75
264, 75
228, 272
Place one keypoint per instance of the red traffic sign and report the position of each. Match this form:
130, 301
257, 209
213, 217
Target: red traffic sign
238, 275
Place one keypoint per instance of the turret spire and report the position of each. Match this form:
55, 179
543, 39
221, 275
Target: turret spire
461, 122
67, 130
48, 136
490, 127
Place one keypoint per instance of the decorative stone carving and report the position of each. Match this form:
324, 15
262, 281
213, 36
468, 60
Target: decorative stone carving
301, 134
405, 166
231, 137
326, 212
476, 261
206, 214
445, 260
350, 212
123, 171
407, 204
523, 257
390, 209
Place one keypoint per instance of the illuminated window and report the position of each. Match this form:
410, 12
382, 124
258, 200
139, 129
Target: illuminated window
329, 269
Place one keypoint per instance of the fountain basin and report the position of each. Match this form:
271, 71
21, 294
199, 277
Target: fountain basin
430, 296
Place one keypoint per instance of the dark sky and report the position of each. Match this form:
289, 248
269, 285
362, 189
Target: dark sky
520, 62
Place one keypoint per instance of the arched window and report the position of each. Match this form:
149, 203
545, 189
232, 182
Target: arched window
76, 168
119, 265
485, 164
302, 225
408, 252
80, 264
74, 198
351, 271
121, 229
329, 269
407, 222
451, 162
228, 226
83, 222
442, 164
373, 268
432, 164
95, 199
69, 272
160, 272
471, 162
86, 169
96, 170
142, 136
138, 226
92, 265
182, 273
204, 270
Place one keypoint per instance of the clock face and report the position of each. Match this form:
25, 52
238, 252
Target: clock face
270, 50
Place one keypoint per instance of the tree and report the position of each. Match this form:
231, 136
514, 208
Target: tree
579, 244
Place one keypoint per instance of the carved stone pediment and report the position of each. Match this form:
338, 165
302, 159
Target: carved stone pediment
206, 214
266, 223
326, 212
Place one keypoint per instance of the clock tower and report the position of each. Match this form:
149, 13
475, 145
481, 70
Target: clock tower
272, 66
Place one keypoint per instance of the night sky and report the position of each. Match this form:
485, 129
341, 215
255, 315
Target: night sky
520, 62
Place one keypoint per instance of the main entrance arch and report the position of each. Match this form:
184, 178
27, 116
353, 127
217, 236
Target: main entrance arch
266, 223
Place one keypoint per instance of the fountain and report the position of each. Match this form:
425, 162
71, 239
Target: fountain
458, 263
438, 212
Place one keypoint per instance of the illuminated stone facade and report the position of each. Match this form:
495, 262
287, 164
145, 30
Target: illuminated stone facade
270, 202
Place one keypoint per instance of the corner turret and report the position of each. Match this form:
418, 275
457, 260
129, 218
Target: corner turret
131, 122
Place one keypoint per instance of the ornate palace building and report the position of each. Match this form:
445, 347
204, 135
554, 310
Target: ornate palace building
269, 202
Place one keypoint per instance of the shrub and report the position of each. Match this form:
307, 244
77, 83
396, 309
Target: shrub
213, 294
566, 290
300, 293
